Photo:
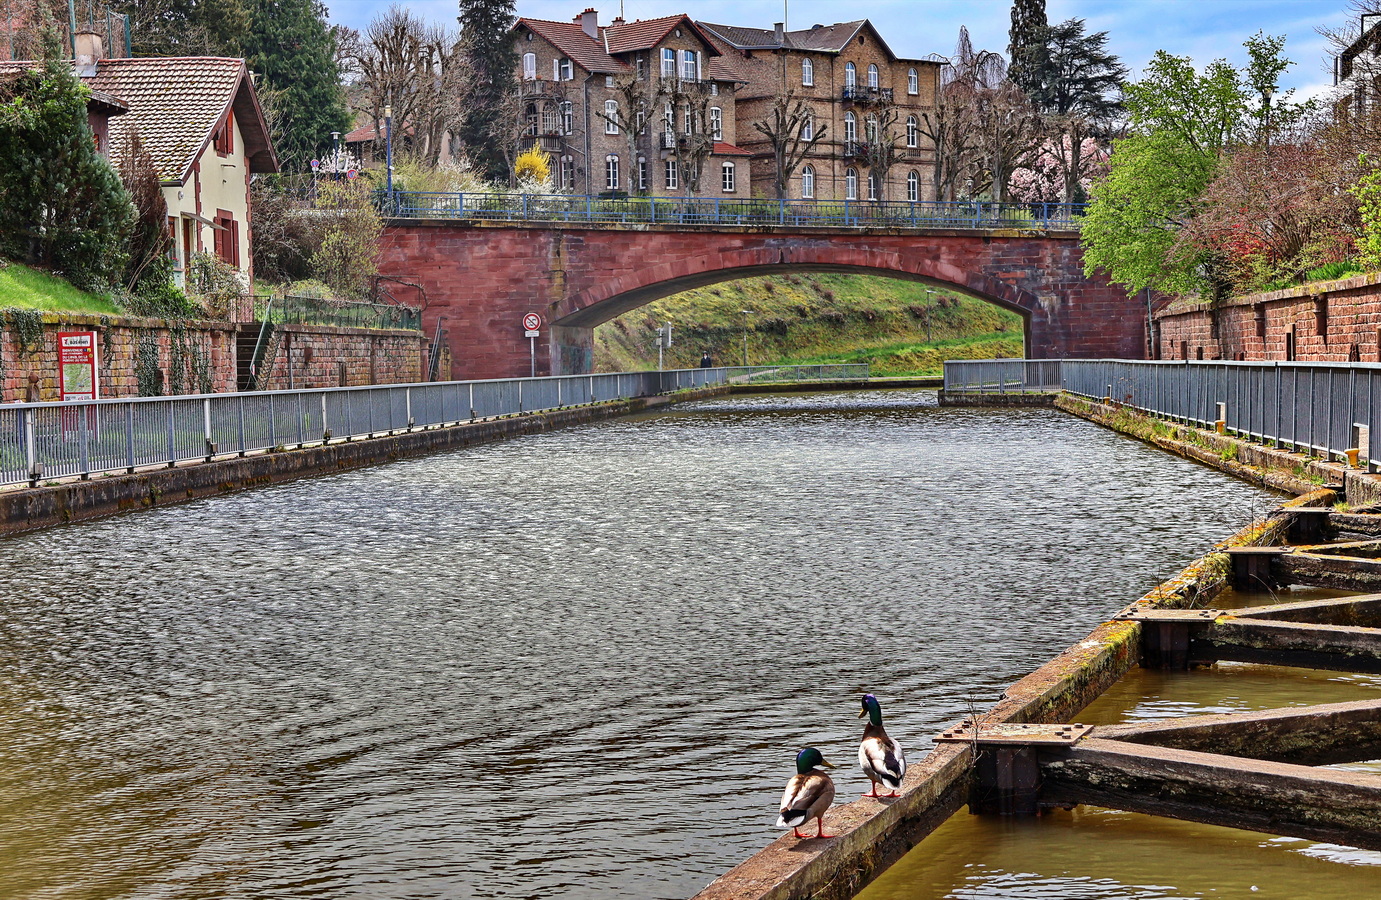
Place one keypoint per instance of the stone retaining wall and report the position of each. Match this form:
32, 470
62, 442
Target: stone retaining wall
1331, 321
316, 356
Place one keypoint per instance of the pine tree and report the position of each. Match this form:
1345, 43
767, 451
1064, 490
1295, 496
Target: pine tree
487, 48
293, 50
1081, 76
61, 204
1027, 50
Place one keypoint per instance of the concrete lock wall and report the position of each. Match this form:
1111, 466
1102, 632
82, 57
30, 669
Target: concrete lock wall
1332, 321
200, 356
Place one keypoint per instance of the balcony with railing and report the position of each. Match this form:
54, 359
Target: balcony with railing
859, 93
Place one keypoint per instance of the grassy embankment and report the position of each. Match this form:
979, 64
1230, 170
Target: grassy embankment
26, 288
822, 318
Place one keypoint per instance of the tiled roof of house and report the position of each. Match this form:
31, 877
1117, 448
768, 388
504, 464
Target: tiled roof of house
177, 103
819, 38
724, 148
722, 67
571, 39
644, 34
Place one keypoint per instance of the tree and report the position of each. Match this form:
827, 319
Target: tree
415, 68
1080, 77
186, 27
1007, 132
1181, 122
791, 132
1027, 49
694, 141
883, 144
61, 204
294, 52
491, 61
632, 115
348, 256
148, 268
951, 126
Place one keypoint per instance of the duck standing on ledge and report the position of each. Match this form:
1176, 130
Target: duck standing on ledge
808, 794
879, 755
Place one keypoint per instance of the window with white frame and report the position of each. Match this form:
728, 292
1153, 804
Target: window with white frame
872, 76
808, 127
668, 62
551, 119
913, 82
642, 173
714, 89
565, 69
870, 129
530, 120
717, 123
529, 66
611, 117
850, 75
689, 120
872, 186
611, 172
567, 117
851, 183
727, 176
913, 132
690, 65
808, 182
567, 172
673, 175
641, 65
807, 73
850, 128
913, 186
670, 120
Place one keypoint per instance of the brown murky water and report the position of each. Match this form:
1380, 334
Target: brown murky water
572, 665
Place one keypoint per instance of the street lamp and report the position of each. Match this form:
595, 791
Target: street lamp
746, 314
388, 150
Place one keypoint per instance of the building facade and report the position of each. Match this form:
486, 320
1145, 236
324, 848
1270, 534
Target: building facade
870, 103
631, 108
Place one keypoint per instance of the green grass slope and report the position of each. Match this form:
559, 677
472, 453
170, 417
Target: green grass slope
895, 326
28, 288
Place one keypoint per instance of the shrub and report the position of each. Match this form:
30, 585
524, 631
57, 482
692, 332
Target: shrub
348, 257
216, 283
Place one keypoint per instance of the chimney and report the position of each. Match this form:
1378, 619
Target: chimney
779, 33
89, 52
589, 23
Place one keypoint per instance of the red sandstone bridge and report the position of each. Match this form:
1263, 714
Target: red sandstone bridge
485, 261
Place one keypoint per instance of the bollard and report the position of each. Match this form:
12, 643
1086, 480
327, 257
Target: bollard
1221, 426
1353, 454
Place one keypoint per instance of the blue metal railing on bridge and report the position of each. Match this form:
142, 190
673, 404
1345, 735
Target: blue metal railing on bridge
718, 212
84, 438
1322, 409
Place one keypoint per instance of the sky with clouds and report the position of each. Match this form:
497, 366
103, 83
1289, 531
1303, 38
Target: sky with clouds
1201, 29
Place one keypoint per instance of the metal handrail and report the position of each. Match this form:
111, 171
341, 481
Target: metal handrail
717, 211
93, 437
1321, 409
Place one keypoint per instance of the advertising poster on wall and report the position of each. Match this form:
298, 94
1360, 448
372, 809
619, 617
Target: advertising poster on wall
78, 373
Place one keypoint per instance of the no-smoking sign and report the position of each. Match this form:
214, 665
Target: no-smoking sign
532, 322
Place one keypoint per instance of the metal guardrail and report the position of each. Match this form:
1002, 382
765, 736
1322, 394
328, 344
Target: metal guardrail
1321, 409
712, 211
56, 440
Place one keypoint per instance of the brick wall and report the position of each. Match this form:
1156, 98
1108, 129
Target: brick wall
206, 348
1336, 321
312, 356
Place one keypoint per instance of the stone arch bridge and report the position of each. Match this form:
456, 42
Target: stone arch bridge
481, 278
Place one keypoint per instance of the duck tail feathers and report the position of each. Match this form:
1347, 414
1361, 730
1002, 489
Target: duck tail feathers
791, 818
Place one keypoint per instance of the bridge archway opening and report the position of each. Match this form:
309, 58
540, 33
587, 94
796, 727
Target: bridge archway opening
574, 332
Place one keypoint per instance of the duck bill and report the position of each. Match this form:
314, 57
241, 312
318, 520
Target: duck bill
862, 712
827, 764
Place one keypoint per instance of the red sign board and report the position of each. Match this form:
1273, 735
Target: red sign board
78, 373
532, 321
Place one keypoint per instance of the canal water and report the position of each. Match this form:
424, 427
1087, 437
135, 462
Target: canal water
576, 664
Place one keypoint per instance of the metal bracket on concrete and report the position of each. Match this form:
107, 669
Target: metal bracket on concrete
1308, 524
1251, 566
1011, 733
1165, 633
1007, 775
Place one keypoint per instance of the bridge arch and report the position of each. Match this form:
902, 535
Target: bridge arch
481, 278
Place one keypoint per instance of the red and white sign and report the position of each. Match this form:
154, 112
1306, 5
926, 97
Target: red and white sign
532, 322
78, 372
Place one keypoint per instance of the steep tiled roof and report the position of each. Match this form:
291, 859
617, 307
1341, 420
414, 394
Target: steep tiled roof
820, 38
645, 34
743, 38
722, 67
571, 39
176, 103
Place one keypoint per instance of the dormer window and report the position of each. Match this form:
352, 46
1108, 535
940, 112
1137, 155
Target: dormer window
225, 137
565, 71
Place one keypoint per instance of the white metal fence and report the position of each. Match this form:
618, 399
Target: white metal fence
57, 440
1322, 409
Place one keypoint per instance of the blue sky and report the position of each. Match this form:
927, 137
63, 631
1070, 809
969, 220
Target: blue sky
1202, 29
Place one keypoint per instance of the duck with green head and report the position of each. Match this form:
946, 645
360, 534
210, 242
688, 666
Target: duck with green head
879, 755
808, 794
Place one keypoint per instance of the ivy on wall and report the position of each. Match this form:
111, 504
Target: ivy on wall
147, 371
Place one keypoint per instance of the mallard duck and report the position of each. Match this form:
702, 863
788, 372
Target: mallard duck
879, 755
808, 794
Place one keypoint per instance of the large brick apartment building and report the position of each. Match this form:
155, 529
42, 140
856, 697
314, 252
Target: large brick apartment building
645, 107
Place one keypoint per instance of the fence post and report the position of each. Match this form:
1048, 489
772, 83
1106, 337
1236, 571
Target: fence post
31, 448
520, 398
206, 427
301, 424
472, 399
172, 435
86, 443
129, 434
407, 399
325, 428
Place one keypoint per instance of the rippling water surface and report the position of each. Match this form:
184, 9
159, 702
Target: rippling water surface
571, 665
